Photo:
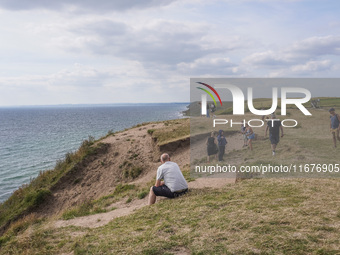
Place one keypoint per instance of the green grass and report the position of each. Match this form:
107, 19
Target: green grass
87, 208
132, 171
261, 216
173, 130
150, 131
100, 205
122, 188
142, 194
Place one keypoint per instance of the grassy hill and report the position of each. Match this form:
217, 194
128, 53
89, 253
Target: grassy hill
254, 216
266, 216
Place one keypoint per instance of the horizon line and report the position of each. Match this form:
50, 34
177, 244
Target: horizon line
88, 104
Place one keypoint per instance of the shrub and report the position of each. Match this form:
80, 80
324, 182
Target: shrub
120, 188
150, 131
37, 197
135, 172
110, 132
132, 172
142, 194
84, 209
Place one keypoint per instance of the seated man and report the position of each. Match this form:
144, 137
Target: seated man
174, 184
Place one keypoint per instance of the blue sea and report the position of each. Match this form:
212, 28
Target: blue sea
32, 139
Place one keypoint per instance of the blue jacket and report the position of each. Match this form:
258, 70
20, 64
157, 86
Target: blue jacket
221, 140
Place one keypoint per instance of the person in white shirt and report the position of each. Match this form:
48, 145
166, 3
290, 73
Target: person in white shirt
173, 184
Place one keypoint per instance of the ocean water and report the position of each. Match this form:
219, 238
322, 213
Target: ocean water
32, 139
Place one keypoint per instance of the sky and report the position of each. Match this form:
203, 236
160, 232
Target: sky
124, 51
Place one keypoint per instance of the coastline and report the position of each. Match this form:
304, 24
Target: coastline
25, 152
42, 187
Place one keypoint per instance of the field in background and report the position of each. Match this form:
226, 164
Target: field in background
309, 142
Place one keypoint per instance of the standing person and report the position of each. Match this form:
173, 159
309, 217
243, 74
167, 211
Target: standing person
274, 126
211, 147
222, 142
245, 138
334, 125
200, 105
250, 135
208, 109
173, 184
213, 109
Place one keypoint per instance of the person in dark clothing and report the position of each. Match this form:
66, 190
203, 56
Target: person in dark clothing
213, 109
208, 111
211, 147
334, 125
222, 142
274, 126
245, 138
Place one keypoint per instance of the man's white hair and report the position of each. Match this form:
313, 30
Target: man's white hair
165, 157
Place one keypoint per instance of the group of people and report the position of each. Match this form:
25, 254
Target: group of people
170, 181
274, 127
219, 148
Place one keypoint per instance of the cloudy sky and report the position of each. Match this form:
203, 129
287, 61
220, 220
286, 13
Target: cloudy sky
104, 51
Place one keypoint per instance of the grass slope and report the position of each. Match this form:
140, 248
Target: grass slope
290, 216
31, 195
173, 131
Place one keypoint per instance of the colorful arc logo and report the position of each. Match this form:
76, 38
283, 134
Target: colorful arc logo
209, 93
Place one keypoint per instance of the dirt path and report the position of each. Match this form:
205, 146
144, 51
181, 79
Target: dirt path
101, 219
123, 209
137, 141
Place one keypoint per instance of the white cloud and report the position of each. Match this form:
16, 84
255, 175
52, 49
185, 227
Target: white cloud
80, 5
298, 52
208, 66
78, 76
304, 57
268, 58
157, 42
313, 66
316, 46
307, 69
